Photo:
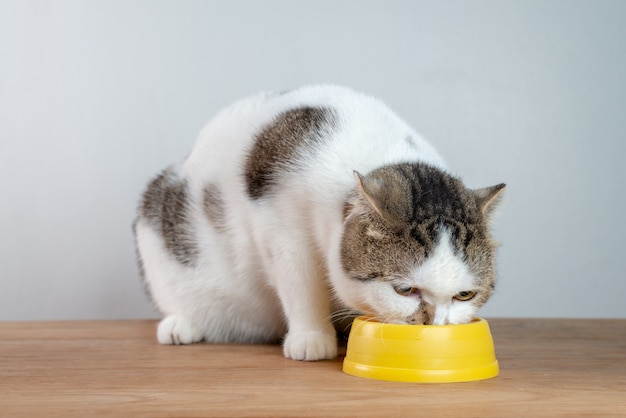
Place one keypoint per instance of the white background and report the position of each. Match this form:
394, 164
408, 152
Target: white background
97, 96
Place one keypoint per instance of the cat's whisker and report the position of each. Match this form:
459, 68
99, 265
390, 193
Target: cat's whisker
385, 322
367, 319
341, 315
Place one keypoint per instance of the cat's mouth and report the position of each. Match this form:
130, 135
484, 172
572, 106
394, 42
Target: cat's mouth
386, 319
424, 315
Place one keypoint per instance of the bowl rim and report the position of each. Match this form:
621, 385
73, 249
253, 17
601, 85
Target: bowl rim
370, 319
367, 325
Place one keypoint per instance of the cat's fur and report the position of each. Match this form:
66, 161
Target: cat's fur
295, 206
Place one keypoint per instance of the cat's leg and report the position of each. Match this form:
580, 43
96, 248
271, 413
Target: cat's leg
310, 345
305, 297
174, 329
169, 284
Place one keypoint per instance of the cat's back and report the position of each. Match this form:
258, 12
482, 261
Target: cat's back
323, 127
232, 132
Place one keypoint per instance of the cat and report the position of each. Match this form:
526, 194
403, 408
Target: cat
297, 207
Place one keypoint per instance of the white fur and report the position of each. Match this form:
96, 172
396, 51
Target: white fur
264, 276
442, 276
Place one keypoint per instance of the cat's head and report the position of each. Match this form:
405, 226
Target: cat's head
416, 246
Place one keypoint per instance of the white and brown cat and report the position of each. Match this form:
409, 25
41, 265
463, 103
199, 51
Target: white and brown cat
297, 207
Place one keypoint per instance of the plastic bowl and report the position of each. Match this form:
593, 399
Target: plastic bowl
420, 353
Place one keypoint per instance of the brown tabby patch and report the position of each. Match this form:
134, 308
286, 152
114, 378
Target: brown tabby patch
166, 205
279, 143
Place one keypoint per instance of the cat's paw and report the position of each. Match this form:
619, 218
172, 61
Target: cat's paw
310, 346
176, 330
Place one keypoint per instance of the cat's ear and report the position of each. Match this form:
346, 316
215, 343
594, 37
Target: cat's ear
371, 189
488, 198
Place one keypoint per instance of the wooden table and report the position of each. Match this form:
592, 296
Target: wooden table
115, 368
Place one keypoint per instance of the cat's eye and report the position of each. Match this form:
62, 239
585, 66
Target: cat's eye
465, 296
407, 291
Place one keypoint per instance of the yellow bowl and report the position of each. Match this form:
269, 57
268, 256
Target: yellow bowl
420, 353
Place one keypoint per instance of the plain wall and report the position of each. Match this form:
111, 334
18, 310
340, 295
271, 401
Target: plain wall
97, 96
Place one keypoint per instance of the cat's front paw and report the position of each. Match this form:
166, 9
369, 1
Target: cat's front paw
176, 330
310, 346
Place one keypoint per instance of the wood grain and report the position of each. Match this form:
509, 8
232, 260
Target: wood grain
115, 368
